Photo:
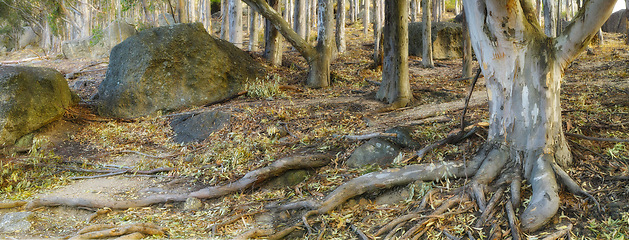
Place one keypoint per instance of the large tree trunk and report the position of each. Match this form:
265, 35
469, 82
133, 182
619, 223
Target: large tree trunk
427, 35
340, 26
395, 88
235, 22
273, 39
523, 70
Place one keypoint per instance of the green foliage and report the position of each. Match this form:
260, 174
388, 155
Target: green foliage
265, 88
611, 228
97, 35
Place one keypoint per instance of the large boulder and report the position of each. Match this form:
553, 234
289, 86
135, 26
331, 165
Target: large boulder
171, 67
30, 98
447, 40
98, 45
617, 22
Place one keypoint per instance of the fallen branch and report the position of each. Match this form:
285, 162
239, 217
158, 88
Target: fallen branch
231, 220
250, 179
559, 233
366, 136
110, 173
596, 138
147, 155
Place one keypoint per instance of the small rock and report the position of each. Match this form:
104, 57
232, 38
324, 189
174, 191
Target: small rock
192, 204
375, 151
196, 128
404, 137
15, 222
288, 179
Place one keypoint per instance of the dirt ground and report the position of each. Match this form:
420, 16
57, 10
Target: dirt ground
595, 101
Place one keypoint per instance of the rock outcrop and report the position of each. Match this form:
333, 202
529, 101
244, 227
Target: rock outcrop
617, 22
447, 40
171, 67
30, 98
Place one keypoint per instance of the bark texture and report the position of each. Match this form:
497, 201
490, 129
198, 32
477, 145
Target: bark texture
235, 22
523, 69
395, 88
340, 26
272, 39
426, 34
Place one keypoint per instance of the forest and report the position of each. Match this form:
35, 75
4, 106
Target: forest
314, 119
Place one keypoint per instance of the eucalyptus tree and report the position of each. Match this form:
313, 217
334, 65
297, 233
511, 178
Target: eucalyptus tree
235, 22
377, 30
299, 17
395, 87
427, 34
253, 30
272, 38
366, 17
340, 26
318, 57
523, 68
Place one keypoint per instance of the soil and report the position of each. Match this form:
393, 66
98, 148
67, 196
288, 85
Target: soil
595, 102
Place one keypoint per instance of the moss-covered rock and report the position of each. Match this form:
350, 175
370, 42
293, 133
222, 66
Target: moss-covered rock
30, 98
171, 67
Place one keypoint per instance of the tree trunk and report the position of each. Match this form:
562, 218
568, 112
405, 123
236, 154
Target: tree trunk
225, 19
427, 35
366, 17
523, 70
253, 30
340, 26
208, 16
627, 21
413, 10
395, 88
273, 39
467, 51
319, 74
299, 18
550, 18
235, 22
148, 19
377, 31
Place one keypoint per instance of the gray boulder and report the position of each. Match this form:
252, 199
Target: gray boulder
28, 38
15, 222
100, 45
171, 67
196, 128
375, 151
165, 19
30, 98
617, 22
447, 40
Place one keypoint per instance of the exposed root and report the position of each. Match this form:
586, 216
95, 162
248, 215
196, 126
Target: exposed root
544, 201
572, 186
560, 233
231, 220
490, 207
450, 139
15, 204
132, 236
437, 213
254, 233
284, 232
107, 231
250, 179
513, 224
98, 213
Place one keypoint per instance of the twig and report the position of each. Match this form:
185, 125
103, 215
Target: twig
359, 233
596, 138
467, 99
366, 136
559, 233
98, 213
490, 207
451, 139
233, 219
254, 233
146, 155
119, 172
99, 176
285, 232
449, 235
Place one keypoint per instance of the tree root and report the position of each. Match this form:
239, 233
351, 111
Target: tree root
249, 180
110, 230
15, 204
254, 233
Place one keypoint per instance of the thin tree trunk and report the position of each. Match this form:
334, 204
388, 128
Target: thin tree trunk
253, 30
340, 26
366, 20
395, 88
319, 74
427, 35
627, 21
299, 18
467, 51
273, 39
208, 16
352, 10
377, 30
413, 10
235, 22
550, 18
225, 19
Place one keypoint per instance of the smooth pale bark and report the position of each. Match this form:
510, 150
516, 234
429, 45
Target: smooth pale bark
436, 10
627, 19
225, 19
318, 57
395, 88
253, 30
523, 70
427, 35
208, 16
272, 38
377, 31
366, 12
550, 18
299, 18
235, 22
182, 11
414, 11
352, 10
340, 26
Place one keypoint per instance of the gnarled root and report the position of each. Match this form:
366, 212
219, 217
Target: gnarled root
129, 231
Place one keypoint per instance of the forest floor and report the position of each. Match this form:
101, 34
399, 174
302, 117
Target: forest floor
274, 121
